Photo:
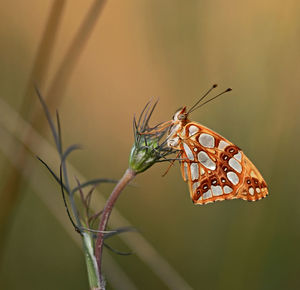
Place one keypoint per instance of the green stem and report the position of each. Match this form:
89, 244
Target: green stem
91, 263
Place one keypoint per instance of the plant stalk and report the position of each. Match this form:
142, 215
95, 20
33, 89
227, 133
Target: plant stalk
91, 263
123, 182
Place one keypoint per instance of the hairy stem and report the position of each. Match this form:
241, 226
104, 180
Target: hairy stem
125, 180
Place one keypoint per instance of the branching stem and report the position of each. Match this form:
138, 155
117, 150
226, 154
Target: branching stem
123, 182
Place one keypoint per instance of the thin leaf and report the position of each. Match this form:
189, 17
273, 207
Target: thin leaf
68, 151
48, 116
94, 217
139, 121
116, 251
142, 127
65, 201
59, 133
89, 196
147, 117
93, 182
120, 231
81, 192
52, 173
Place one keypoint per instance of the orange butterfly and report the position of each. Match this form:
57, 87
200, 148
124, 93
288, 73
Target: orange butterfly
214, 168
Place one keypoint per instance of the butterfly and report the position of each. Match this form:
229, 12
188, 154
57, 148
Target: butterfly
214, 168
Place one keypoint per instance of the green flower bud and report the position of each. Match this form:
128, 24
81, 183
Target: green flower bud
147, 148
144, 153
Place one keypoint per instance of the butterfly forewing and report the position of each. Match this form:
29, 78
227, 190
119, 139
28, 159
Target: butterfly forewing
216, 169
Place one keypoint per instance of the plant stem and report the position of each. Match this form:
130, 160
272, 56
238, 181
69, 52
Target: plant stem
126, 178
91, 263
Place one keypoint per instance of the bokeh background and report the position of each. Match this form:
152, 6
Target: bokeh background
98, 65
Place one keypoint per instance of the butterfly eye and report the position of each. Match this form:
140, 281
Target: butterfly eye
181, 117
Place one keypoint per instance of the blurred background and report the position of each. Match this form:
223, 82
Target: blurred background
99, 63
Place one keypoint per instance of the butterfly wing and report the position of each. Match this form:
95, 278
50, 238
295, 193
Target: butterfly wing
216, 169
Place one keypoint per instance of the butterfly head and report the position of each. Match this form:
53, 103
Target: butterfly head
181, 116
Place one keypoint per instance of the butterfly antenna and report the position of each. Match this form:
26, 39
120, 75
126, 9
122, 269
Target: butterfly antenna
213, 87
226, 91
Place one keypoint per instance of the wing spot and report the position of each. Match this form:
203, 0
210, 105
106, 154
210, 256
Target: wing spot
194, 171
207, 194
235, 165
195, 186
238, 156
223, 179
188, 151
217, 190
222, 145
225, 157
233, 178
231, 149
185, 170
225, 168
206, 161
204, 186
257, 189
193, 130
251, 190
201, 170
227, 189
207, 140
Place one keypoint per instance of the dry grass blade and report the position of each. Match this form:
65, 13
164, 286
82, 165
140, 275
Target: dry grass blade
72, 55
39, 70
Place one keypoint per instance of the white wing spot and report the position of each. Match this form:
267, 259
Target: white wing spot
216, 190
188, 151
222, 145
227, 189
238, 156
234, 179
201, 170
207, 140
185, 170
207, 194
235, 165
195, 149
251, 190
194, 171
193, 130
257, 189
206, 161
195, 186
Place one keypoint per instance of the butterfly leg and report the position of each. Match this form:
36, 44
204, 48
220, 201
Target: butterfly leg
171, 164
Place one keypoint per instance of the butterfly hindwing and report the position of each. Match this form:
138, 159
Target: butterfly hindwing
216, 169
